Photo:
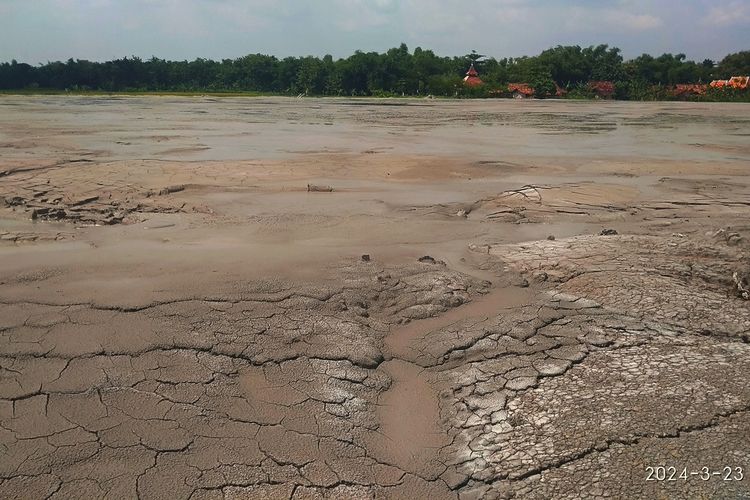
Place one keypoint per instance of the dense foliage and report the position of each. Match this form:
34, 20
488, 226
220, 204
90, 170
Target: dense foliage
395, 72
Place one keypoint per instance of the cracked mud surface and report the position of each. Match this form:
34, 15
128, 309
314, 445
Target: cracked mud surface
181, 318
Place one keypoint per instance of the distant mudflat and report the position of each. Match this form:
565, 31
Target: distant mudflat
477, 299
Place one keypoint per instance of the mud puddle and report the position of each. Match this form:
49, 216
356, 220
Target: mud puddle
410, 431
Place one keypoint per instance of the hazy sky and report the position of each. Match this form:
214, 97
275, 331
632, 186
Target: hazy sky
43, 30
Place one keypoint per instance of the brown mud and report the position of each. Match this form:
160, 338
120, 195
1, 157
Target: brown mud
185, 310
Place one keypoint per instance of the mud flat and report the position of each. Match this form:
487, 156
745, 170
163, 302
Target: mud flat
489, 299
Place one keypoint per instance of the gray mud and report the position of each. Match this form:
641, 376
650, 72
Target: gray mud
181, 317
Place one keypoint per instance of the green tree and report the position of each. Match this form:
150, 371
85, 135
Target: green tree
310, 77
566, 65
542, 83
476, 59
606, 63
395, 71
737, 64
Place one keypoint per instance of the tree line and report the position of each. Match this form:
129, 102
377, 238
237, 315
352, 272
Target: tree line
394, 72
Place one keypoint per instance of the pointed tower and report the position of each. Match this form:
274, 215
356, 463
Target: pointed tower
472, 77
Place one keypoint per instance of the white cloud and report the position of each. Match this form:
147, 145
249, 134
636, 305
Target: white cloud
354, 15
638, 22
41, 30
733, 13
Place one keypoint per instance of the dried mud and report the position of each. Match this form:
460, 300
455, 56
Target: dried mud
181, 316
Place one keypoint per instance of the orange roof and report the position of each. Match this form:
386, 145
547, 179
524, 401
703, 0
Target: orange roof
472, 77
521, 88
602, 87
473, 81
682, 89
737, 82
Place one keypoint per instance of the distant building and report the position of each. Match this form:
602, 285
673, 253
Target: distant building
520, 90
602, 89
472, 77
736, 82
689, 90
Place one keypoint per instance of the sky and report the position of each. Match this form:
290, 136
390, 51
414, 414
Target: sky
37, 31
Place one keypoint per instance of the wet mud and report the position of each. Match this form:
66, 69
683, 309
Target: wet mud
554, 298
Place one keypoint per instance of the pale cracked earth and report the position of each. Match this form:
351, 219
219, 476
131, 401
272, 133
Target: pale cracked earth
493, 300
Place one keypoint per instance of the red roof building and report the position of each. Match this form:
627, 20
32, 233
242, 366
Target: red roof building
736, 82
687, 90
520, 90
602, 89
472, 77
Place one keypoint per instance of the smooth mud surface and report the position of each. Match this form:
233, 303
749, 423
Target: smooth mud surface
303, 298
409, 415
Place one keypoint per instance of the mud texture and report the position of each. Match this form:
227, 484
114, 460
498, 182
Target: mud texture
299, 298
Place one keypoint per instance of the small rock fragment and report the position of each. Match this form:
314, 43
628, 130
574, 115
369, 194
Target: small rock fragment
171, 189
319, 189
15, 201
539, 276
733, 239
608, 232
83, 201
479, 248
743, 285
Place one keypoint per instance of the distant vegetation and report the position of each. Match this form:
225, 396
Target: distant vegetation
394, 73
